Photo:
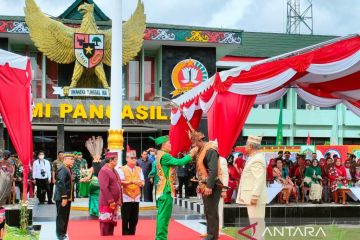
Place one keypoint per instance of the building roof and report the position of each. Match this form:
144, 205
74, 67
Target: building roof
72, 12
244, 44
262, 44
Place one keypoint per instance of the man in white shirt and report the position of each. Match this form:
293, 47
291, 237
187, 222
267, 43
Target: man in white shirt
42, 176
132, 179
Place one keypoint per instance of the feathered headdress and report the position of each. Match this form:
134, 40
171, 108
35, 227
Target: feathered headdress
95, 147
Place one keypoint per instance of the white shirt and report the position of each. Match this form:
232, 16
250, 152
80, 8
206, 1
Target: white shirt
39, 165
348, 174
126, 198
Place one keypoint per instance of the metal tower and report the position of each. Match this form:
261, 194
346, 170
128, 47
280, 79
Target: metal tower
297, 17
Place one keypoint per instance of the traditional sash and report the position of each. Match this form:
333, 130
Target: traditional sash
162, 178
201, 169
132, 190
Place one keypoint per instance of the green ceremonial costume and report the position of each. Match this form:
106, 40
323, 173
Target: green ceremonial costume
165, 191
311, 175
84, 186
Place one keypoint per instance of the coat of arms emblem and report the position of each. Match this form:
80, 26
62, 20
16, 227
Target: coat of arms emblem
89, 49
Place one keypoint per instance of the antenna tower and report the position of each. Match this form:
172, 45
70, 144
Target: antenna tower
298, 19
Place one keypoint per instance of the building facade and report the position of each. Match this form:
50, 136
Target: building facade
65, 123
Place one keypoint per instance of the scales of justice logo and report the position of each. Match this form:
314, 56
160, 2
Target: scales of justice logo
89, 49
188, 74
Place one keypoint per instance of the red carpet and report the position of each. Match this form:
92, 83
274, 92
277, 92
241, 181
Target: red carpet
89, 230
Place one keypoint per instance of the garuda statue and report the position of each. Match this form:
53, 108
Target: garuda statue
88, 45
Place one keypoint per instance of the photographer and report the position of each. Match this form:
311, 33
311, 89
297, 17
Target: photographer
42, 176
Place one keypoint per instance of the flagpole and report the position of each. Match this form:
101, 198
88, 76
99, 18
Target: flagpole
115, 138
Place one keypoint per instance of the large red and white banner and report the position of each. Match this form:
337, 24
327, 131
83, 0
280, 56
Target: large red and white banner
15, 105
324, 75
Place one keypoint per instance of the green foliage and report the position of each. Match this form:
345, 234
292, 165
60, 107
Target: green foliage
24, 215
12, 233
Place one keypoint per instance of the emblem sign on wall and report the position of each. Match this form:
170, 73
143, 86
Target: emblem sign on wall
89, 49
187, 74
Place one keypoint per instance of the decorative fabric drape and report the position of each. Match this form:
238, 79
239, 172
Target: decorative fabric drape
227, 117
324, 75
15, 106
179, 138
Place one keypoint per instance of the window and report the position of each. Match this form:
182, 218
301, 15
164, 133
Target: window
276, 104
149, 79
351, 141
301, 104
45, 141
313, 141
268, 141
133, 79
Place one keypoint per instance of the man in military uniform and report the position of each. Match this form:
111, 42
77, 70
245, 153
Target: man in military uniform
209, 174
64, 195
56, 165
165, 191
77, 173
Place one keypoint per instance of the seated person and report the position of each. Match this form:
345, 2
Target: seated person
281, 175
337, 177
357, 177
312, 179
269, 171
349, 171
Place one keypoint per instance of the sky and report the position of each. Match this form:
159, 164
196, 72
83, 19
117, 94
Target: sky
330, 17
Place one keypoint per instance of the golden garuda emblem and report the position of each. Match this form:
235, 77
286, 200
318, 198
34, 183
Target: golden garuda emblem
88, 45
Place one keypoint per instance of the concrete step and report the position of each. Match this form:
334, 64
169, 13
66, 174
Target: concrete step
193, 203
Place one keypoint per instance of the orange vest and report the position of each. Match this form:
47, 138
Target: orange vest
132, 190
162, 178
201, 169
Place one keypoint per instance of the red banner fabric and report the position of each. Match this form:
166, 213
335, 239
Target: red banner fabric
226, 119
340, 150
15, 106
179, 138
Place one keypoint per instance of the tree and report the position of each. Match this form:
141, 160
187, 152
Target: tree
96, 40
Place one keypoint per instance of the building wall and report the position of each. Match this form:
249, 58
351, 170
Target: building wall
331, 126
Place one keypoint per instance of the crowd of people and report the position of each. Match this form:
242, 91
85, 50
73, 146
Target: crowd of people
317, 180
109, 187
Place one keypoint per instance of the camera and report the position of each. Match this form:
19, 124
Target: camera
42, 172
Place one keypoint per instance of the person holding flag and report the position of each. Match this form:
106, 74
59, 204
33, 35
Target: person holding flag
165, 191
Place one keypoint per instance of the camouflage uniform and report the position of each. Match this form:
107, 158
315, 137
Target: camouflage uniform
56, 165
76, 173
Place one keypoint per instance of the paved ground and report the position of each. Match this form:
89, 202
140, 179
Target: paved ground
45, 215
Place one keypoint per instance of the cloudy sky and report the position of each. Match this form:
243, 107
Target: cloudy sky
331, 17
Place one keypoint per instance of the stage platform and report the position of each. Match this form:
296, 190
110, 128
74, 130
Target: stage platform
280, 214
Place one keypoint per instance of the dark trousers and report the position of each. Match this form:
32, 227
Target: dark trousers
183, 181
77, 186
129, 216
43, 187
106, 229
211, 209
62, 219
147, 191
50, 196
